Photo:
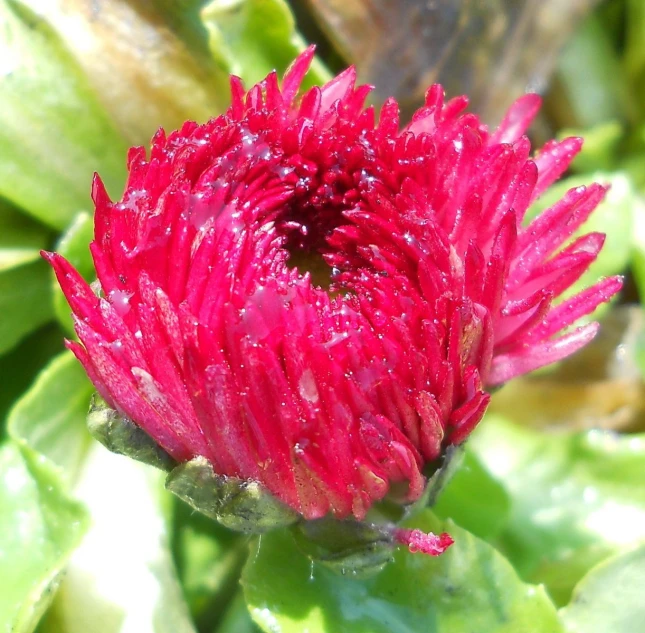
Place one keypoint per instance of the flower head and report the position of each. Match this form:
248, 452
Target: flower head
215, 333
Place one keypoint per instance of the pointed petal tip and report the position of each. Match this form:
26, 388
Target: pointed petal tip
99, 193
296, 73
338, 88
517, 119
507, 366
530, 100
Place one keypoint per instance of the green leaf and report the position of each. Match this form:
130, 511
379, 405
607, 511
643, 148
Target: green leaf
147, 61
609, 599
469, 588
53, 132
638, 257
574, 500
50, 417
122, 577
474, 499
237, 618
592, 85
20, 231
74, 246
39, 528
122, 574
25, 301
250, 38
209, 560
186, 71
21, 365
634, 56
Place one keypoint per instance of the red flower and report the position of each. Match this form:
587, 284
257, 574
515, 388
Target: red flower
212, 336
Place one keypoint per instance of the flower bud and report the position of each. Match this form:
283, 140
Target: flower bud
283, 398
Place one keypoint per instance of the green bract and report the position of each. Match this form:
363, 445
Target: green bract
243, 506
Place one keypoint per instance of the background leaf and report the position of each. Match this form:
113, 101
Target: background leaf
39, 527
474, 499
573, 498
470, 587
591, 85
21, 365
50, 417
147, 61
53, 132
253, 37
209, 561
122, 578
610, 597
25, 301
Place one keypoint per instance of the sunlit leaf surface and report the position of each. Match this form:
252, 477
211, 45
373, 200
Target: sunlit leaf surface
40, 525
610, 597
574, 498
470, 587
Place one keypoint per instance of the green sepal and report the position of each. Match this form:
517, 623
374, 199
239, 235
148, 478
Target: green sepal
243, 506
346, 547
122, 436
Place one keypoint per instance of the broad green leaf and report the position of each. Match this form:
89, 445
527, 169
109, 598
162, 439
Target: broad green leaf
39, 528
53, 132
147, 61
20, 238
50, 417
250, 38
74, 246
25, 301
12, 257
469, 588
474, 499
609, 599
633, 166
122, 578
574, 498
187, 58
